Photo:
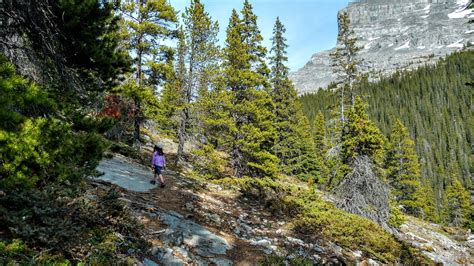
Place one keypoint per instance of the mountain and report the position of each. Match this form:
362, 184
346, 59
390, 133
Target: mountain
396, 34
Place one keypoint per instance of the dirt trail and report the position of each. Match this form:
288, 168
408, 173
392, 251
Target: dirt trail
156, 207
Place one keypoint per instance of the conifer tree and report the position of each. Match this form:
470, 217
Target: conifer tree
361, 137
319, 134
201, 60
457, 204
345, 61
320, 148
294, 145
245, 77
403, 169
147, 25
172, 96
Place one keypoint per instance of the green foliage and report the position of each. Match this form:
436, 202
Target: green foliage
397, 218
210, 163
36, 150
403, 172
55, 228
457, 205
82, 24
313, 217
294, 144
424, 101
251, 108
281, 261
360, 136
145, 26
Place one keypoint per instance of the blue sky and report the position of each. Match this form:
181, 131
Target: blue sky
311, 25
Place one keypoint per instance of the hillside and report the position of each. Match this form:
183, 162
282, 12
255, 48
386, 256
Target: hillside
395, 35
434, 102
194, 221
131, 135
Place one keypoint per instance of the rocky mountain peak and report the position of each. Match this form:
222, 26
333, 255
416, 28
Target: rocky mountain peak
396, 34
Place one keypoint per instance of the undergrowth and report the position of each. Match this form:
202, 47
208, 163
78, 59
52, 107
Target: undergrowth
56, 228
313, 217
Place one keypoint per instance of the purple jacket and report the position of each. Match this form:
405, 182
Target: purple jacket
158, 160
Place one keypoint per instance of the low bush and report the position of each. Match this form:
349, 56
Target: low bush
314, 217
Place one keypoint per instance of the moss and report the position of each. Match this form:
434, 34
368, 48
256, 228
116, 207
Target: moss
276, 261
397, 218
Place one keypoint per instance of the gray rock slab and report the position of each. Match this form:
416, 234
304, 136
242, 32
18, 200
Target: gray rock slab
129, 175
201, 240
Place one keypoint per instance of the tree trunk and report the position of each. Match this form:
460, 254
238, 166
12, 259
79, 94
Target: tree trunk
137, 118
342, 105
185, 117
182, 135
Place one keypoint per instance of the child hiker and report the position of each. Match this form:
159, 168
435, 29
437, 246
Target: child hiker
158, 163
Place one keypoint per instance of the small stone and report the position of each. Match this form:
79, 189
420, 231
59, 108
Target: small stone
373, 262
295, 241
189, 206
215, 218
357, 254
237, 231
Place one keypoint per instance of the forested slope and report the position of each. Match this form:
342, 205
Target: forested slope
434, 102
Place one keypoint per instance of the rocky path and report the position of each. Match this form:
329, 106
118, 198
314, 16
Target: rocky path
171, 219
190, 223
437, 244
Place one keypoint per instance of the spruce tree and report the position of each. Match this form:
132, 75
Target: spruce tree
361, 137
457, 204
294, 145
345, 61
147, 24
320, 148
201, 60
319, 134
403, 169
251, 107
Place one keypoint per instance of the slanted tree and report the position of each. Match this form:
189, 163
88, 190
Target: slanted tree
345, 61
147, 25
246, 78
403, 171
294, 145
201, 56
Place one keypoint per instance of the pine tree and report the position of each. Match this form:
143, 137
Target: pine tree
345, 61
245, 77
294, 146
147, 24
403, 169
201, 56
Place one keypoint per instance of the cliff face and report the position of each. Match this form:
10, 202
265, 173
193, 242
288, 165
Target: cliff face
396, 34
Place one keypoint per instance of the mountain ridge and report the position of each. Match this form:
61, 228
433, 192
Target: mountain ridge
394, 35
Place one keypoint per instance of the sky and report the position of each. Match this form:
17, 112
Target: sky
311, 25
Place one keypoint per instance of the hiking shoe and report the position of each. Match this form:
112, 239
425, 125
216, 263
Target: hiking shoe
162, 185
153, 182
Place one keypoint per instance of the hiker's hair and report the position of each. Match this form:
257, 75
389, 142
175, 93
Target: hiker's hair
158, 150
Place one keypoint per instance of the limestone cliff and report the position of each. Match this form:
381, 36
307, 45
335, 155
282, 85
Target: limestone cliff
396, 34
